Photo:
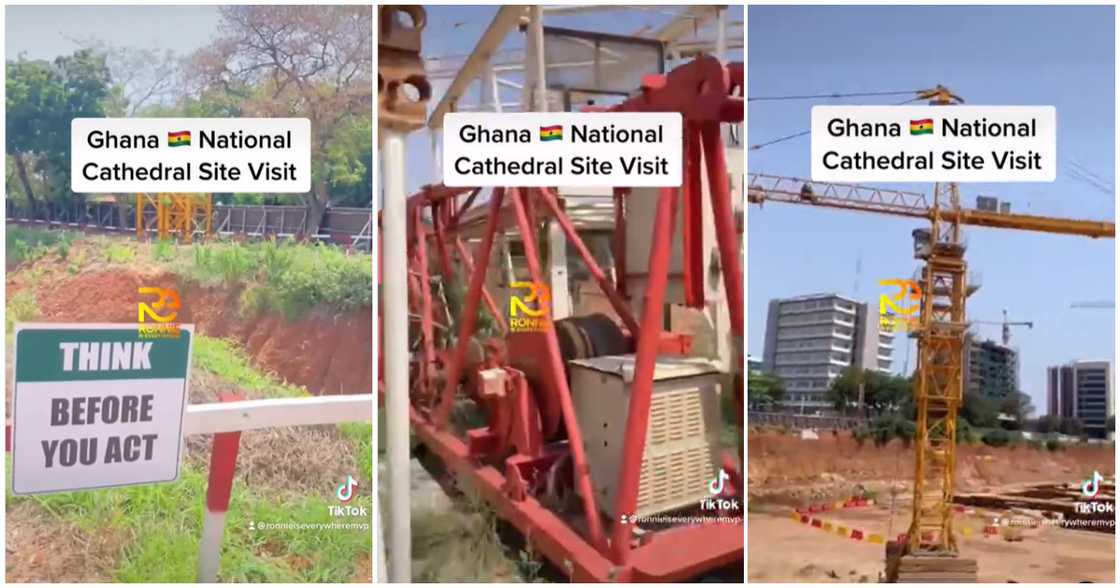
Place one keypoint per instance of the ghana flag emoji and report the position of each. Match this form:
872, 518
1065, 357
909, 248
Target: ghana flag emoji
179, 139
552, 133
922, 126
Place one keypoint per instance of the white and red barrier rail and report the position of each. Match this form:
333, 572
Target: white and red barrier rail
805, 516
226, 420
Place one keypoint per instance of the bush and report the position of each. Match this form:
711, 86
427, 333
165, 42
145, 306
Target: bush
996, 438
905, 431
965, 434
25, 244
886, 428
860, 435
163, 250
119, 252
286, 277
1053, 445
1015, 439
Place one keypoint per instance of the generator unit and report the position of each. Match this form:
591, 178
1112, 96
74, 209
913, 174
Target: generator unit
682, 443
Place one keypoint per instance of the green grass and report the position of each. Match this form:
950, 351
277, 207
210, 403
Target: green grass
19, 308
226, 359
25, 244
461, 545
289, 278
361, 435
163, 523
279, 276
117, 251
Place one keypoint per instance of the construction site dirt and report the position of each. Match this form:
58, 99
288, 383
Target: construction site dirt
1013, 511
325, 351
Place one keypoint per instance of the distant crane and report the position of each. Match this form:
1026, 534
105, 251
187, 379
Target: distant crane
1093, 304
1007, 326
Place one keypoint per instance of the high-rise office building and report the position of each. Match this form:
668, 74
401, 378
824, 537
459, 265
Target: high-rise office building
1059, 391
811, 340
990, 369
1081, 390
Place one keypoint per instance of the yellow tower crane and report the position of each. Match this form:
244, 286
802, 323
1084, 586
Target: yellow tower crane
185, 215
943, 324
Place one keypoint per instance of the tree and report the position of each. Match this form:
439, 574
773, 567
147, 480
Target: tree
42, 99
964, 432
141, 77
299, 61
996, 438
764, 391
882, 394
979, 411
1048, 424
1018, 405
1071, 426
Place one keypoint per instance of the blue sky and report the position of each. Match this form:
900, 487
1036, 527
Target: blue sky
455, 30
1002, 55
45, 32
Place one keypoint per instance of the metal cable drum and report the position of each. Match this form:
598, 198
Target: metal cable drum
579, 337
594, 335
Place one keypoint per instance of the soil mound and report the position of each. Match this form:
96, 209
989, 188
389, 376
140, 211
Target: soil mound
326, 352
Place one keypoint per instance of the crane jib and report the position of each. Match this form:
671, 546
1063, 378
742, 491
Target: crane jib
790, 190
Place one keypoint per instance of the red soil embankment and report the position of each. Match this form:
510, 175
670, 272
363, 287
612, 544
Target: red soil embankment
776, 461
326, 352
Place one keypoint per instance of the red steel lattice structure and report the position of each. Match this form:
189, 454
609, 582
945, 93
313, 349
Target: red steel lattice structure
533, 441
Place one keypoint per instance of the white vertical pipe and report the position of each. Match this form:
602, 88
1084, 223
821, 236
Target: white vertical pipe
210, 545
558, 271
382, 573
721, 35
491, 97
536, 40
557, 243
434, 135
395, 319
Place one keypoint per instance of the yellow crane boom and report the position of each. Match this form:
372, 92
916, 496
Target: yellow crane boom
764, 187
938, 380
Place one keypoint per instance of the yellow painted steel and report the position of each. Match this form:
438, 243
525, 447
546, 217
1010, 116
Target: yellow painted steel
943, 322
182, 215
939, 379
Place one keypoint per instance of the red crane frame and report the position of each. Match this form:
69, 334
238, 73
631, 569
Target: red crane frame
706, 93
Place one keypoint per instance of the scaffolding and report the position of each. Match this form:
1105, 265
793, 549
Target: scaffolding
182, 215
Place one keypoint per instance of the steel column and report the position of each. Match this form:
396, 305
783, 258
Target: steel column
581, 470
470, 312
637, 416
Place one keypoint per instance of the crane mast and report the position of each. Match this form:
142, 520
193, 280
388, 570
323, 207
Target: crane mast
943, 322
939, 378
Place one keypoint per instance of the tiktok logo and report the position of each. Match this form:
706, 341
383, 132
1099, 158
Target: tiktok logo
1092, 486
345, 490
715, 487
